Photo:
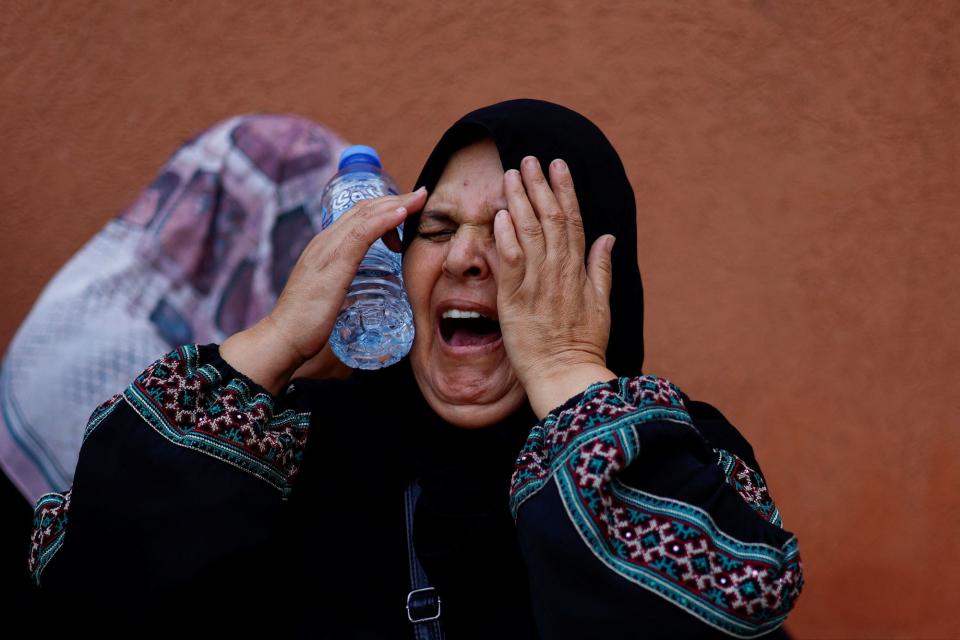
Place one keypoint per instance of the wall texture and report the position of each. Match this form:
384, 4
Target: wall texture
796, 172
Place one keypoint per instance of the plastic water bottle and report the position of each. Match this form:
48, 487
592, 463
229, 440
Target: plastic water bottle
375, 326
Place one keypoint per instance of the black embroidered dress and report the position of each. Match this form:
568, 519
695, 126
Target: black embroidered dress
199, 496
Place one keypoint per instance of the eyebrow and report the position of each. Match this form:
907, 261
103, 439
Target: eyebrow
438, 216
443, 216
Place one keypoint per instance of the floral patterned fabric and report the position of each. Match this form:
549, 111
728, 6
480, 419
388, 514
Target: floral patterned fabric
200, 254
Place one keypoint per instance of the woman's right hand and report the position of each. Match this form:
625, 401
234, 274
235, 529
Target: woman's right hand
300, 324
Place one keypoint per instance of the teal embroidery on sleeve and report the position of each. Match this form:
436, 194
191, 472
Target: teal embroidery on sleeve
670, 547
100, 414
750, 485
49, 526
189, 404
677, 551
604, 408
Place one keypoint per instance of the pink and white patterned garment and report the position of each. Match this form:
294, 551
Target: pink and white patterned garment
202, 253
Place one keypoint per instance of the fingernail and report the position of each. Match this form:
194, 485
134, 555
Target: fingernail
610, 242
559, 164
420, 190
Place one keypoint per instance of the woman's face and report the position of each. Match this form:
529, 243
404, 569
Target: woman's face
450, 269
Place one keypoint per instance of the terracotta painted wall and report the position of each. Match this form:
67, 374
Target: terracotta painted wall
796, 172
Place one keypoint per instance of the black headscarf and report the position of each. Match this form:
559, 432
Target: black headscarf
463, 530
534, 127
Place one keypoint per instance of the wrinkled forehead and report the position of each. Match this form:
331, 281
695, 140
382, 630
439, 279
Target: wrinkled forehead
470, 189
474, 168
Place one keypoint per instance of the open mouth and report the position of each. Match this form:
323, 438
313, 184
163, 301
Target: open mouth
468, 332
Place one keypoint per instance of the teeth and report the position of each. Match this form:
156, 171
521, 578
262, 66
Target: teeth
457, 313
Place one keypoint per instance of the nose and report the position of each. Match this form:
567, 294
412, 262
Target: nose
468, 254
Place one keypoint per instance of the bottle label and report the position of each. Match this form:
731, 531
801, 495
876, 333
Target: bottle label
348, 197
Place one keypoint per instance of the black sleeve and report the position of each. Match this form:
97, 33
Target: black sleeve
632, 524
178, 489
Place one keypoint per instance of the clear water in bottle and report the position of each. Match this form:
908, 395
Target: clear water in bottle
375, 326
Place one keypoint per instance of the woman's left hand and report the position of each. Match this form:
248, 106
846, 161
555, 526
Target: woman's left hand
554, 312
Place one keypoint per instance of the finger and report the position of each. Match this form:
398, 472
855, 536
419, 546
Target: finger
511, 260
378, 206
552, 218
369, 220
524, 220
600, 266
562, 181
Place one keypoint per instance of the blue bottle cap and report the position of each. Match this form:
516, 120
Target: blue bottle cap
359, 153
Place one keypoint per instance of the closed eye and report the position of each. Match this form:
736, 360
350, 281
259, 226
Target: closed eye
436, 236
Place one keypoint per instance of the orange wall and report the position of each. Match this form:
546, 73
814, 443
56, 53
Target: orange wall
796, 171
